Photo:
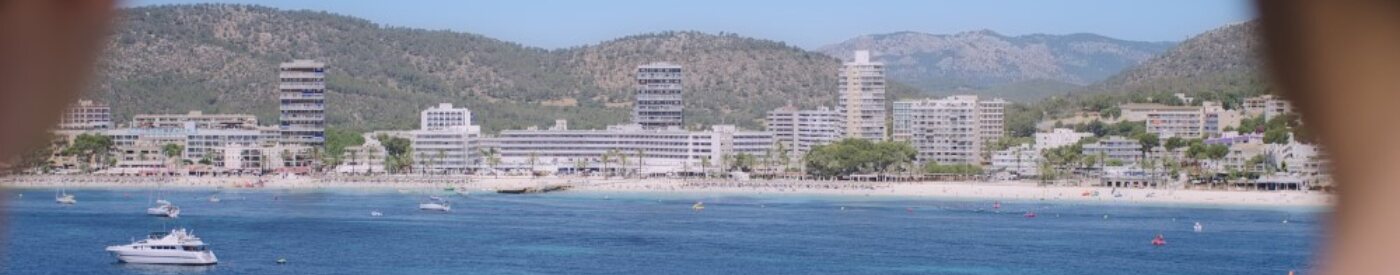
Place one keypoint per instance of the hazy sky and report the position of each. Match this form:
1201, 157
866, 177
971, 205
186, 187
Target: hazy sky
808, 24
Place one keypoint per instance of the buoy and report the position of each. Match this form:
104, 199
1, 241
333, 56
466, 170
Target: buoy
1105, 216
843, 208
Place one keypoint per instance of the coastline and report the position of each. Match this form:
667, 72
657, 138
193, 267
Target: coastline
999, 191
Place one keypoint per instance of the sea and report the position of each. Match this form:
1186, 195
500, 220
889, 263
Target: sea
332, 232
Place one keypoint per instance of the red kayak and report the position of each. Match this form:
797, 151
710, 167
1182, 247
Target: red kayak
1030, 214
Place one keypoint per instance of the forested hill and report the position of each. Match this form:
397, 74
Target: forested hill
223, 58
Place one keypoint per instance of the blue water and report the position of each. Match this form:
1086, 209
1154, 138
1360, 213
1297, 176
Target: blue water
331, 232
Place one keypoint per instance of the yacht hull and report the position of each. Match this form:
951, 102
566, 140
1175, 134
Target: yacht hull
164, 257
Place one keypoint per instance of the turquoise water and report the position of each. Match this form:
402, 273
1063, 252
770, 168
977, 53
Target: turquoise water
329, 232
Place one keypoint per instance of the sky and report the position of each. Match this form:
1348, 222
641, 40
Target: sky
808, 24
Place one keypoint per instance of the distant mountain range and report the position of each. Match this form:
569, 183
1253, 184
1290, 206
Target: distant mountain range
223, 58
1023, 68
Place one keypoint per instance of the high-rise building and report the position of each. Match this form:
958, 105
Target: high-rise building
659, 101
86, 115
952, 130
862, 97
800, 130
302, 91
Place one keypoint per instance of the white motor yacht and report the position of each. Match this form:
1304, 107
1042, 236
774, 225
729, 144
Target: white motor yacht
165, 209
179, 247
435, 204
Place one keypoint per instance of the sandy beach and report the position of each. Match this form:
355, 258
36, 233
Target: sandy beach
1001, 190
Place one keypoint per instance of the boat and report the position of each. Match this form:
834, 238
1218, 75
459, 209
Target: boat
1159, 240
698, 206
375, 214
178, 247
996, 205
64, 198
215, 199
1197, 227
435, 203
164, 209
462, 192
1029, 215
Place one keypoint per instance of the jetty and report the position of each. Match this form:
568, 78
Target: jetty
540, 189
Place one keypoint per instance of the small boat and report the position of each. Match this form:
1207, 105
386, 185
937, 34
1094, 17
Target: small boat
435, 203
996, 205
698, 206
1197, 227
1159, 240
375, 214
65, 198
462, 192
178, 247
1029, 215
215, 199
164, 209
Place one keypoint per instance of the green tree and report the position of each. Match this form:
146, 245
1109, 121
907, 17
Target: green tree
94, 149
857, 156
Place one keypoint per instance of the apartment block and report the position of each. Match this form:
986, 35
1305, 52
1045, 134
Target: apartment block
952, 130
302, 93
659, 102
86, 115
861, 97
800, 130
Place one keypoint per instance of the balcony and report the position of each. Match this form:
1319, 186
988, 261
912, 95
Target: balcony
302, 86
303, 107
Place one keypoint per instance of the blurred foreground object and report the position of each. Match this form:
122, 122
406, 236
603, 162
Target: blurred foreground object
47, 52
1339, 63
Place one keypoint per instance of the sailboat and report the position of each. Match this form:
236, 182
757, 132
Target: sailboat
64, 198
1197, 227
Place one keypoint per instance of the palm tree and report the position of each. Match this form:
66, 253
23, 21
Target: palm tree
641, 157
607, 158
705, 166
534, 157
438, 157
621, 160
492, 159
172, 152
579, 165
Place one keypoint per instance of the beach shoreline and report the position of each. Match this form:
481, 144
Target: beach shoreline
995, 191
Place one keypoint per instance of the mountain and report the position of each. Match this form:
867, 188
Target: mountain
1023, 68
1223, 60
223, 58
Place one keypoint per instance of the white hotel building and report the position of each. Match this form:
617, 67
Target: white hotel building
951, 130
446, 140
648, 151
800, 130
1058, 137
